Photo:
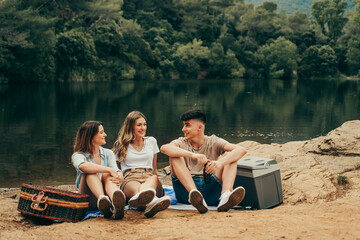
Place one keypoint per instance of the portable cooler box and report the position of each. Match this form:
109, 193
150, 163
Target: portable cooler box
262, 182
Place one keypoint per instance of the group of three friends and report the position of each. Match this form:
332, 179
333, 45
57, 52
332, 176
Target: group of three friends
128, 172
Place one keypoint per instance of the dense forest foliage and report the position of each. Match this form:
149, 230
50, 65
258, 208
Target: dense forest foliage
293, 6
109, 40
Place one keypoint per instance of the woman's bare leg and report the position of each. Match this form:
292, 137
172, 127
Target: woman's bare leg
150, 182
94, 190
131, 188
109, 186
137, 197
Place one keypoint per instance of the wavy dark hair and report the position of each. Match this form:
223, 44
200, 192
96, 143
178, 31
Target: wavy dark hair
85, 135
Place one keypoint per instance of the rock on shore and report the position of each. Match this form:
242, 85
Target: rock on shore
319, 169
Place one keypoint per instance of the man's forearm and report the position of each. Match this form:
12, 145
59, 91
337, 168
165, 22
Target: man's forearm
174, 151
233, 156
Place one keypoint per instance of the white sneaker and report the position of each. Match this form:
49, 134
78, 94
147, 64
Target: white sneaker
119, 201
157, 205
197, 200
142, 198
231, 199
104, 204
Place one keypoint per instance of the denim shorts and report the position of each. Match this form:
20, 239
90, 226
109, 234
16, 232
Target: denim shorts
211, 191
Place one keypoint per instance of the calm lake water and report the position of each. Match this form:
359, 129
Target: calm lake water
38, 122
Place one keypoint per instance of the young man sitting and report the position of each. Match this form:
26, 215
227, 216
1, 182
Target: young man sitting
188, 156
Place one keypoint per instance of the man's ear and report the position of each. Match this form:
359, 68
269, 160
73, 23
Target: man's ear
200, 126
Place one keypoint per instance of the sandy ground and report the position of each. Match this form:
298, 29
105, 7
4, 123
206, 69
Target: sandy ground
339, 219
315, 205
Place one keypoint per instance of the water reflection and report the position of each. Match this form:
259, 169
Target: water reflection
38, 122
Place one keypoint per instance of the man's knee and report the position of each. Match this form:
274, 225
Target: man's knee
233, 165
173, 162
219, 172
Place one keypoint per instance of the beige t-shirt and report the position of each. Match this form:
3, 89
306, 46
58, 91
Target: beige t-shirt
212, 148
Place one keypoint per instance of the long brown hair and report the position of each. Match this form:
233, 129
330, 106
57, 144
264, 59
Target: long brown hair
126, 135
85, 135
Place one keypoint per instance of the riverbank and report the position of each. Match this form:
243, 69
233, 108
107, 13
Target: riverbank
321, 190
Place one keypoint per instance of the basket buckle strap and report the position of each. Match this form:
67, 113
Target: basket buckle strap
37, 199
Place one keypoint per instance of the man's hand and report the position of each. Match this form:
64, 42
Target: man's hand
212, 166
200, 158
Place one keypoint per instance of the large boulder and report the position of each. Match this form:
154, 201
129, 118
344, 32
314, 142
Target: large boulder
310, 170
343, 141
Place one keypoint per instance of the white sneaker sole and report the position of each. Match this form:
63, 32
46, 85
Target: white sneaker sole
104, 207
235, 198
144, 197
197, 200
119, 201
162, 204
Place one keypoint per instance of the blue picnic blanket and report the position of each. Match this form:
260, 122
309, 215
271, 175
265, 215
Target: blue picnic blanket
175, 205
168, 191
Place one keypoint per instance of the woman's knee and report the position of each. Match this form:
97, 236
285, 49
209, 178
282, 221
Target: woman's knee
153, 178
131, 188
88, 176
105, 177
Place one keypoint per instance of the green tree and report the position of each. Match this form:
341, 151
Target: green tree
300, 31
353, 56
350, 44
269, 6
191, 58
277, 59
6, 58
329, 14
258, 26
318, 61
28, 41
111, 47
161, 50
168, 10
122, 51
76, 55
200, 19
139, 53
223, 64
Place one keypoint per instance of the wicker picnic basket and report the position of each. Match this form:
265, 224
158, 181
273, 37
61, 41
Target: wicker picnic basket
52, 203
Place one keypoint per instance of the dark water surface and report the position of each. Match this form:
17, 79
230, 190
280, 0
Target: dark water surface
38, 122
